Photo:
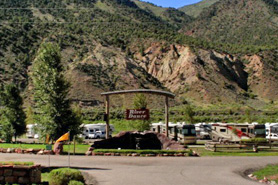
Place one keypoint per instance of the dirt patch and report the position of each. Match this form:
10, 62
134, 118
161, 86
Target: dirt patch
273, 177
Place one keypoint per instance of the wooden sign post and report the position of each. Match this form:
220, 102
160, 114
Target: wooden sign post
107, 111
138, 114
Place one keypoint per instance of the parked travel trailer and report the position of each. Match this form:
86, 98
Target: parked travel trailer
31, 131
96, 131
203, 130
271, 131
236, 132
180, 132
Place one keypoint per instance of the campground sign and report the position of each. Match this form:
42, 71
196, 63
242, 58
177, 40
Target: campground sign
137, 114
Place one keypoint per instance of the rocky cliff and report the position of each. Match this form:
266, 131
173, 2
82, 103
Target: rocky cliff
199, 75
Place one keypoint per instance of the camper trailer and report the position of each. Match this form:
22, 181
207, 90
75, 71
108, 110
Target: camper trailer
96, 131
236, 132
31, 131
271, 131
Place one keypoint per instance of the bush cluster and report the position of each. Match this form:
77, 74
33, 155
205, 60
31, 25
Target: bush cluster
64, 176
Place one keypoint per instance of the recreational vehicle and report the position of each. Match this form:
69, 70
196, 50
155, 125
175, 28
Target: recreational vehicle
96, 131
203, 130
181, 132
31, 131
271, 131
186, 134
236, 132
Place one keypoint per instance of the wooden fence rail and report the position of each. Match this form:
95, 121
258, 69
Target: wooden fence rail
217, 146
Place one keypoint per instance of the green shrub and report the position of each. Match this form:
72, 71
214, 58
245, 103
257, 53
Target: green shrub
73, 182
254, 140
15, 163
63, 176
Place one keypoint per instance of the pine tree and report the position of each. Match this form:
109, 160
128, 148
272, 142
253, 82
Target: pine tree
189, 113
29, 115
13, 115
140, 102
53, 113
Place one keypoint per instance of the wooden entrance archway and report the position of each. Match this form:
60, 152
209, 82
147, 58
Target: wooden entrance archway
166, 94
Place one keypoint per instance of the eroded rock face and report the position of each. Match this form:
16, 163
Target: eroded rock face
137, 140
263, 77
204, 76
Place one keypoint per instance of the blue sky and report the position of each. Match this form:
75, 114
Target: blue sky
172, 3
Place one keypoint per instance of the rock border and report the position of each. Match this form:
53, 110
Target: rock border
248, 174
26, 151
263, 181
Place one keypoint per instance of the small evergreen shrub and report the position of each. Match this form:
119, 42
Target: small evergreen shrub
254, 140
73, 182
63, 176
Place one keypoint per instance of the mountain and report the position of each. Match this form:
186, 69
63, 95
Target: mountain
240, 22
195, 10
226, 54
78, 26
171, 15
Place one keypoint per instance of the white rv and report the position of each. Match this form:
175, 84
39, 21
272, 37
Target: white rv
96, 131
234, 132
203, 130
31, 131
271, 131
181, 132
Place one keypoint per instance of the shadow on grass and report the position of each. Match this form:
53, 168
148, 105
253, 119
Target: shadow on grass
48, 169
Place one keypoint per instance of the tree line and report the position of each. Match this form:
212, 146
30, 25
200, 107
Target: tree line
52, 110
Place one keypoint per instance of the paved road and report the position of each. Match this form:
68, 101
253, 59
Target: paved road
157, 170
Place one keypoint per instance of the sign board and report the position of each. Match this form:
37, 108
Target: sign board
137, 114
48, 147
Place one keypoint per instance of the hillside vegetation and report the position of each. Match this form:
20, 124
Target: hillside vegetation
238, 22
195, 10
209, 53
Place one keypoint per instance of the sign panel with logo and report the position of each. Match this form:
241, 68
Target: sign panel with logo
137, 114
48, 147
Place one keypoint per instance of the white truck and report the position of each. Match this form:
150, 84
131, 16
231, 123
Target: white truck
96, 131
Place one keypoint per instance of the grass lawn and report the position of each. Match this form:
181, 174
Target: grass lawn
80, 149
203, 152
45, 177
16, 163
270, 172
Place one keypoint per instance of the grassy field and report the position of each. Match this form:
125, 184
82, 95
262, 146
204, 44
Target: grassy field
80, 149
203, 152
270, 172
16, 163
